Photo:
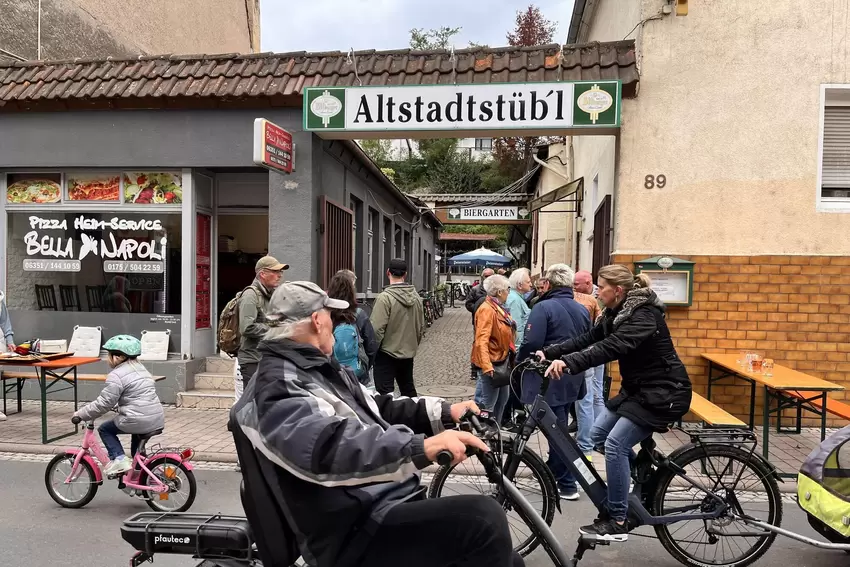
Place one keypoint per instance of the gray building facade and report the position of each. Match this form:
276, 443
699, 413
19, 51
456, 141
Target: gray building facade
211, 152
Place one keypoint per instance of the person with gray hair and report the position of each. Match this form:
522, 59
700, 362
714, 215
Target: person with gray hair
494, 342
342, 458
554, 316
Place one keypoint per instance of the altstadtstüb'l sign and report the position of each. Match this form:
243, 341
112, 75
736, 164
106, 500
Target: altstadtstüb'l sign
401, 111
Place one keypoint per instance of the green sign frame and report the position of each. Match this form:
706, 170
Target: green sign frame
399, 110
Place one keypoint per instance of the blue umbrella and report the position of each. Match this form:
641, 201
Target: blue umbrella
480, 257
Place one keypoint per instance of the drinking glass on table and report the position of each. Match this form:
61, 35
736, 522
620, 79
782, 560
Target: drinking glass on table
756, 363
767, 366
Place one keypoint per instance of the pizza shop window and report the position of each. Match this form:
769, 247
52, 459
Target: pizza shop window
120, 271
834, 189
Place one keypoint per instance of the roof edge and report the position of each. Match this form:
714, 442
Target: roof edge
376, 171
575, 21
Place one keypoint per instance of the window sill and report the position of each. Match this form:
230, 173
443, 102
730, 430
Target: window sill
833, 206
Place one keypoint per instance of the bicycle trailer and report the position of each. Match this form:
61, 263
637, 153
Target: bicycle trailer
823, 487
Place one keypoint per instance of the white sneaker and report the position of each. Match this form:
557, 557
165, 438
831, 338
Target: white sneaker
2, 416
120, 465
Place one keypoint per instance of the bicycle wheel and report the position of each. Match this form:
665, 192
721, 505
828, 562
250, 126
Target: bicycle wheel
76, 493
439, 308
745, 485
533, 478
182, 487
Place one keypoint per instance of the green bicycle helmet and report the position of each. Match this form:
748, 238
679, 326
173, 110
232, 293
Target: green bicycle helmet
124, 344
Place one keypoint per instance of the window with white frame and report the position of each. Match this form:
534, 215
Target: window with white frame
484, 144
834, 186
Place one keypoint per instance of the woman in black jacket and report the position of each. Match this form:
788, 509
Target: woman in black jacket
655, 388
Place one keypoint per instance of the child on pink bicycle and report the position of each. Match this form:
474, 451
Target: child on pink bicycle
129, 390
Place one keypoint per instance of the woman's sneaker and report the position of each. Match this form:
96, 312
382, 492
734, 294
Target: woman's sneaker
565, 494
118, 466
607, 530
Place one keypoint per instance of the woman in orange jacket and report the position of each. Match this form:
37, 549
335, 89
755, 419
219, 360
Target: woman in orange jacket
495, 332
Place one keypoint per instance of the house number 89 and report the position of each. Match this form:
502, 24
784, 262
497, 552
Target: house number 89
653, 181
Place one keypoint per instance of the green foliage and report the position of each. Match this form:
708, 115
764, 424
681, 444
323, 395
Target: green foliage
439, 38
379, 150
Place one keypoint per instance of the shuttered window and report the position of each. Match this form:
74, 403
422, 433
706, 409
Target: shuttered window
836, 152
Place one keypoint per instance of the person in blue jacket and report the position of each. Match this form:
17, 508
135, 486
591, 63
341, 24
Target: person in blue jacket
556, 317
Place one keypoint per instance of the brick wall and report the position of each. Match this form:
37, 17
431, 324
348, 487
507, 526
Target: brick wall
794, 309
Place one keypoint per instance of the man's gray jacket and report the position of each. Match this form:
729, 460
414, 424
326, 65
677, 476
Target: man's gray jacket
343, 456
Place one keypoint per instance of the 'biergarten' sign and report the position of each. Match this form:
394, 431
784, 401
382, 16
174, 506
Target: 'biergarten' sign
489, 213
396, 110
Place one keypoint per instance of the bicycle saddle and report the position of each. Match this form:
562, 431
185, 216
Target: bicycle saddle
147, 436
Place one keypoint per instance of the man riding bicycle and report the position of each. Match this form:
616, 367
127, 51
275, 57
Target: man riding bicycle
347, 462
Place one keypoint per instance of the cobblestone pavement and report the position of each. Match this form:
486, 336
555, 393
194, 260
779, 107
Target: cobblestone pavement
441, 369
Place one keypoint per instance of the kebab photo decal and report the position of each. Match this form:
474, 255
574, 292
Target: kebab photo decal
160, 188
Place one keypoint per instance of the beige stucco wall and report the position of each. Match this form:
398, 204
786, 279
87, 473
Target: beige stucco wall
555, 232
728, 110
103, 28
594, 156
594, 160
184, 26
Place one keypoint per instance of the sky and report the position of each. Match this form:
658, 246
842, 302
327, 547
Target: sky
338, 25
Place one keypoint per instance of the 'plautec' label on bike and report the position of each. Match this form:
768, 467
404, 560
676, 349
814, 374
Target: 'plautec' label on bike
585, 472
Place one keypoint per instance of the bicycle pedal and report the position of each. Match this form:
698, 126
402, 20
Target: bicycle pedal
593, 540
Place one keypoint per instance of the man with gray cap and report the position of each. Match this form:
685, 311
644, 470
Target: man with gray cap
253, 304
344, 463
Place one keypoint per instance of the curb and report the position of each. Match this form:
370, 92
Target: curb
32, 449
789, 486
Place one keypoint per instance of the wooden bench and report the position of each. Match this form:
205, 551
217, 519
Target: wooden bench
6, 375
19, 377
712, 415
814, 399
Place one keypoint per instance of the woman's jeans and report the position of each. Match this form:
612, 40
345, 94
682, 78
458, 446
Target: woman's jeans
490, 397
619, 435
109, 435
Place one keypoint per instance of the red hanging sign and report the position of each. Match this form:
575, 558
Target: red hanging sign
272, 146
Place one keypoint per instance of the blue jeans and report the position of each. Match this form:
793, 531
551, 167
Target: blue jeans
555, 462
490, 397
109, 435
585, 415
598, 394
619, 434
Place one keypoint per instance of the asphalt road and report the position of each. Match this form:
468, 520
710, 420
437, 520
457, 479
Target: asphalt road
34, 531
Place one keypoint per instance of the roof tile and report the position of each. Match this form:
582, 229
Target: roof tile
269, 74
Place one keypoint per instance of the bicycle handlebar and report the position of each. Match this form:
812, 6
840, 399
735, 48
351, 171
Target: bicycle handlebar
76, 420
445, 457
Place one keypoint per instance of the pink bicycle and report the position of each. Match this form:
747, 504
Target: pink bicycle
164, 479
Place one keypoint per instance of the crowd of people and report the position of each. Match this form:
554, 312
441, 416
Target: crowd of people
319, 405
563, 317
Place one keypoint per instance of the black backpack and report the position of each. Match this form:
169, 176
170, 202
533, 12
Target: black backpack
276, 543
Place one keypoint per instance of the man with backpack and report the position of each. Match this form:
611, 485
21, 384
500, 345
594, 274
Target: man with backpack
243, 322
398, 318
